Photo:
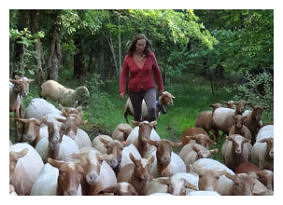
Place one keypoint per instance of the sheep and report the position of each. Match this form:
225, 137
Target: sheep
266, 131
166, 162
177, 184
253, 120
140, 134
24, 167
209, 171
222, 118
18, 88
192, 152
239, 184
165, 98
121, 132
139, 174
199, 135
57, 145
204, 121
59, 178
262, 153
98, 174
239, 127
236, 149
63, 95
264, 176
39, 107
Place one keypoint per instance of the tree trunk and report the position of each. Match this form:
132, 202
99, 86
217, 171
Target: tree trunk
55, 49
111, 46
34, 14
79, 70
120, 49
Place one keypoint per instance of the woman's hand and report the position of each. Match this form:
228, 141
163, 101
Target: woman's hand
122, 95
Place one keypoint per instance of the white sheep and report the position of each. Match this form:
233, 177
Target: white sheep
38, 108
266, 131
63, 95
235, 150
262, 153
26, 169
192, 152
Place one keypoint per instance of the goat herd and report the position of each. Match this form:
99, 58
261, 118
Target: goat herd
53, 156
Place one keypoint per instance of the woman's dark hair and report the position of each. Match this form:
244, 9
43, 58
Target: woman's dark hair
132, 47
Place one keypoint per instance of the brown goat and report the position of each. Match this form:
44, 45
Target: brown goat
239, 127
18, 90
163, 155
71, 177
253, 121
141, 174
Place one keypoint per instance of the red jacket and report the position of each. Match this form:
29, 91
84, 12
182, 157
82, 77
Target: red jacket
140, 79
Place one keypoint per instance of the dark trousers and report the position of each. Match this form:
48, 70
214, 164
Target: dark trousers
150, 97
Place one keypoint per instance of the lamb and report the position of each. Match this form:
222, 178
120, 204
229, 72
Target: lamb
235, 150
19, 88
57, 145
177, 184
166, 162
165, 98
59, 178
198, 135
262, 153
63, 95
98, 174
121, 132
192, 152
253, 120
239, 127
140, 134
25, 165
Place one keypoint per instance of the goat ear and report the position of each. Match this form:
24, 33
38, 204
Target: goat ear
195, 148
61, 107
133, 158
104, 141
17, 77
13, 80
213, 151
22, 153
247, 140
55, 163
229, 138
135, 123
163, 180
230, 176
190, 186
30, 80
22, 120
176, 144
152, 142
153, 123
220, 173
265, 140
61, 120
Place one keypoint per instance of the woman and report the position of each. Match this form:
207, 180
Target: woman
141, 66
